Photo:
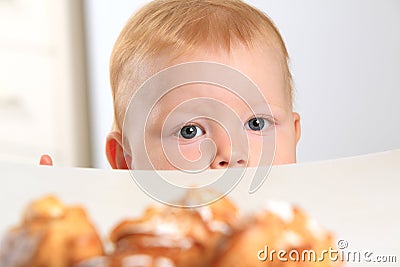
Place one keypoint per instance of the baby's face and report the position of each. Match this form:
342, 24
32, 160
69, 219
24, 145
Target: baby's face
178, 123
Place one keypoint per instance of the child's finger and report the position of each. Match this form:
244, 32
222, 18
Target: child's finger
46, 160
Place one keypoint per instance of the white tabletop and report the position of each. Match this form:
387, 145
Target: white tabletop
357, 198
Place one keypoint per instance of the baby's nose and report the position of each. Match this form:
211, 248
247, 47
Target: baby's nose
232, 151
234, 162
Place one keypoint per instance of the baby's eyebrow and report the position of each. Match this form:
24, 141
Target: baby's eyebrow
279, 111
271, 109
259, 107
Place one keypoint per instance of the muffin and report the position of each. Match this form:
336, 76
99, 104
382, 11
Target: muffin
171, 236
50, 234
278, 226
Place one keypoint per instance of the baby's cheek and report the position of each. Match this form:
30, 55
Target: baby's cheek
155, 153
256, 146
285, 148
190, 152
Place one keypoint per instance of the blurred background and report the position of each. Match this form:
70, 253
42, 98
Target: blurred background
55, 96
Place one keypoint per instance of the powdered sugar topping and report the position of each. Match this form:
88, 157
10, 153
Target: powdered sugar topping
282, 209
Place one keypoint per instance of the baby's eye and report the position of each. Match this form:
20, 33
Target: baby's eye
258, 124
190, 132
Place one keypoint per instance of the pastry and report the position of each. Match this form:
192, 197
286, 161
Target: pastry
51, 234
279, 226
170, 236
54, 235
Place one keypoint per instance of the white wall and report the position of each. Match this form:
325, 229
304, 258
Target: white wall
43, 82
104, 21
345, 63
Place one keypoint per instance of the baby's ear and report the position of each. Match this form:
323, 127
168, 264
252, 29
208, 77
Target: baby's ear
297, 126
115, 151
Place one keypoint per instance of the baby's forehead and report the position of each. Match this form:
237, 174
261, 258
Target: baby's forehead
208, 101
210, 91
261, 69
260, 66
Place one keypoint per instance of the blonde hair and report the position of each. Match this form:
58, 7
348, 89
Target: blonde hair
181, 26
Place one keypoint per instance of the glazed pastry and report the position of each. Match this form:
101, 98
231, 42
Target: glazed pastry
54, 235
280, 226
169, 236
128, 260
50, 235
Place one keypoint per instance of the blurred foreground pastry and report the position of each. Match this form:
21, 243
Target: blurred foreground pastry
54, 235
50, 235
168, 236
278, 226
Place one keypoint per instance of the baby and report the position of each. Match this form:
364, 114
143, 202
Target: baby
168, 33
